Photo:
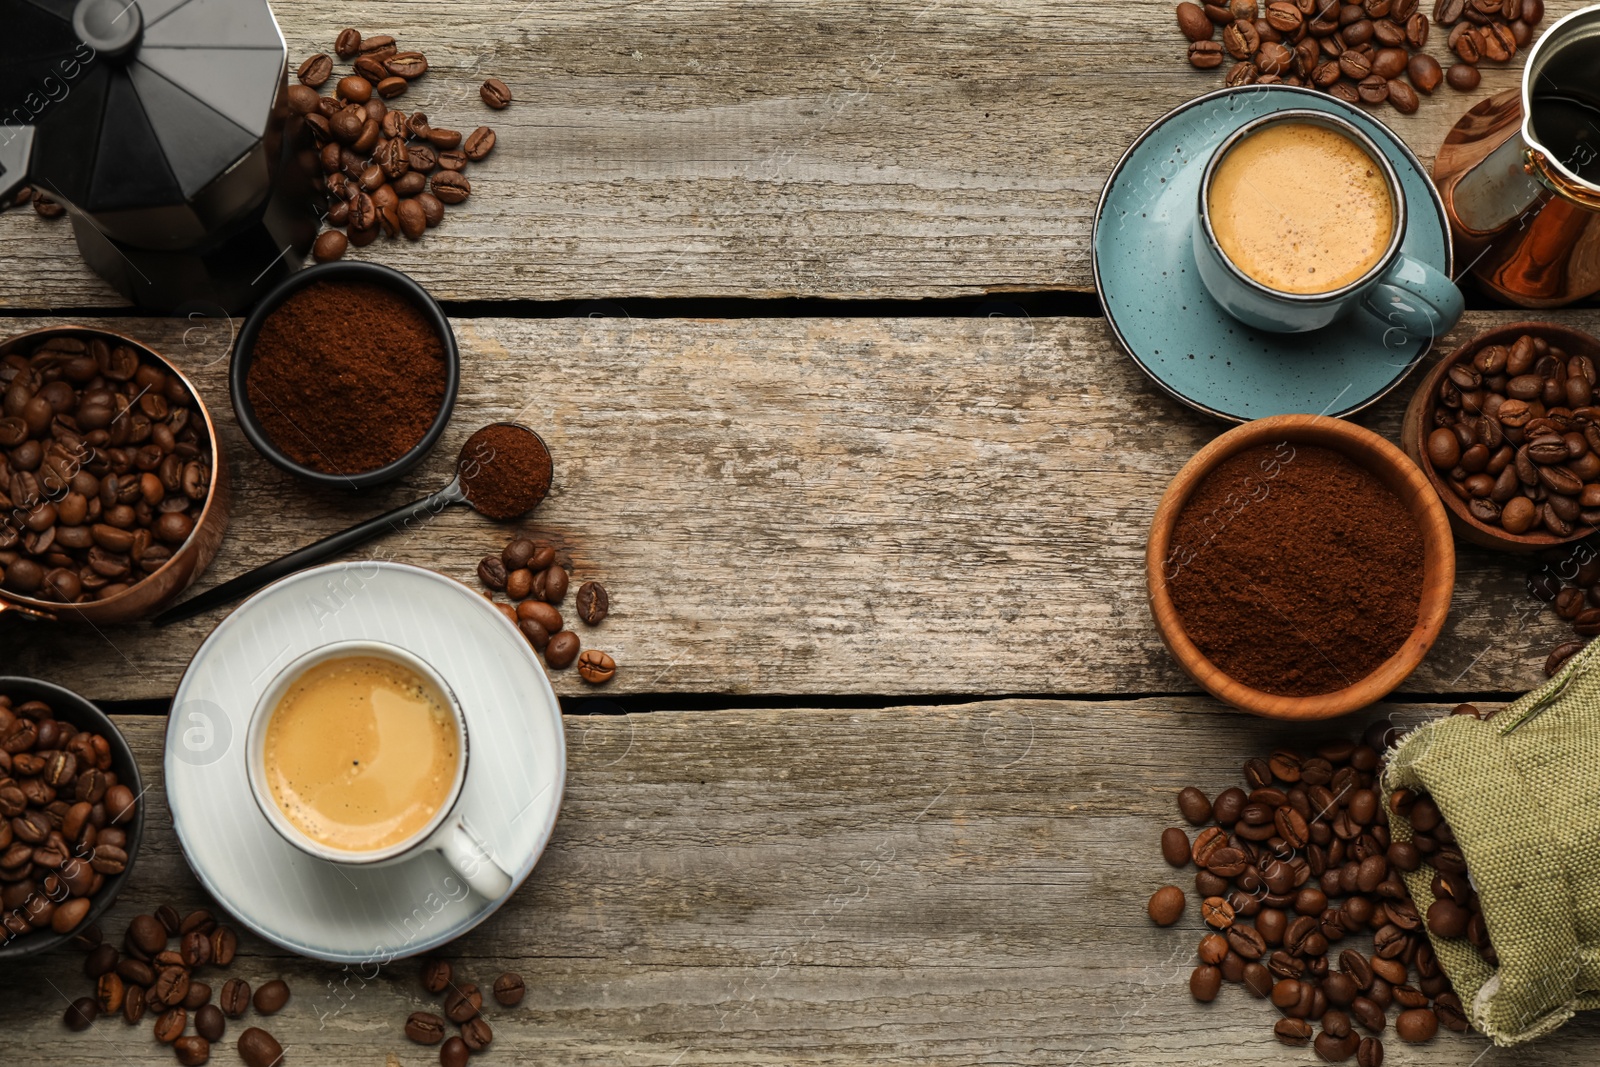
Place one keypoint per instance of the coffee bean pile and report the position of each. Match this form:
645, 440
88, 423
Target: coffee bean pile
463, 1005
1354, 51
530, 577
105, 467
1517, 436
152, 977
1306, 857
1569, 581
384, 171
62, 813
42, 204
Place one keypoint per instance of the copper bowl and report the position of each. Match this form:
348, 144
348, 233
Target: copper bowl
1419, 423
155, 591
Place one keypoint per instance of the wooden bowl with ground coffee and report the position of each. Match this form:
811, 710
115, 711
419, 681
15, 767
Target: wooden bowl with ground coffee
1300, 567
346, 374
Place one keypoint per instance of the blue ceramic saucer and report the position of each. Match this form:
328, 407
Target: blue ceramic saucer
1145, 273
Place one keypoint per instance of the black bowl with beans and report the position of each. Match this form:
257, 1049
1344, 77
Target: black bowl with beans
1507, 430
68, 707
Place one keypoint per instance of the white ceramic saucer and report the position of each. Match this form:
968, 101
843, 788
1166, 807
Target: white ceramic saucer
344, 914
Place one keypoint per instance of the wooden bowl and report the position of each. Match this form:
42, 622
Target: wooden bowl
1419, 422
1391, 467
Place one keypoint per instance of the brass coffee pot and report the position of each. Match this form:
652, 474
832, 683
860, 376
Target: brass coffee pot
1520, 174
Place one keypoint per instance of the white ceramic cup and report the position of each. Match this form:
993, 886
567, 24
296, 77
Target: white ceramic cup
449, 832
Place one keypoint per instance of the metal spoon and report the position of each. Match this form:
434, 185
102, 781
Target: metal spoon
475, 470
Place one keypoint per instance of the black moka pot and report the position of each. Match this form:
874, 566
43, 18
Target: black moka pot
162, 126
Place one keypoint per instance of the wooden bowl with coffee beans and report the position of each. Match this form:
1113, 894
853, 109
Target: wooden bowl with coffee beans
74, 805
1507, 430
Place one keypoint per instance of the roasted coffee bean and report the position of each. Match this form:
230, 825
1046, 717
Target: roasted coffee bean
449, 186
598, 668
271, 997
260, 1049
170, 987
234, 999
192, 1051
454, 1053
562, 650
1166, 905
593, 604
475, 1033
170, 1024
81, 1013
147, 933
425, 1028
347, 44
1246, 941
1174, 844
479, 143
315, 70
209, 1022
1293, 1032
1192, 803
1205, 983
497, 94
196, 949
1416, 1025
463, 1003
492, 573
224, 945
1216, 913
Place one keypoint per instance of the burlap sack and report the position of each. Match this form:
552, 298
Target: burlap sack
1522, 793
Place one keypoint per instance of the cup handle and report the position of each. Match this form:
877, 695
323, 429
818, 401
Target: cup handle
1418, 301
474, 860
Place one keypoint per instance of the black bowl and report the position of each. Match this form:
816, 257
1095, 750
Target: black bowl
244, 351
70, 707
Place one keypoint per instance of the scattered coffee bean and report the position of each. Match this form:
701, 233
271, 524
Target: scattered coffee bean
463, 1003
454, 1053
1320, 43
495, 93
1309, 863
1174, 846
272, 996
475, 1033
425, 1028
81, 1013
170, 1024
593, 603
596, 667
235, 997
562, 650
1166, 905
260, 1049
209, 1022
192, 1051
509, 989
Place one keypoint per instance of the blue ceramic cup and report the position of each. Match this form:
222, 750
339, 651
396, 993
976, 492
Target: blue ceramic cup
1417, 301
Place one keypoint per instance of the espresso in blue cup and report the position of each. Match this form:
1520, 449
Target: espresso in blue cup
1301, 220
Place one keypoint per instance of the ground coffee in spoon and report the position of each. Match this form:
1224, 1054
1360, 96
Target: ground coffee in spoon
505, 470
1295, 570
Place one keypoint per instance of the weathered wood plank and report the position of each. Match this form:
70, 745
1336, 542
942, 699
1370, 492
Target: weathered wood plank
861, 148
811, 506
953, 885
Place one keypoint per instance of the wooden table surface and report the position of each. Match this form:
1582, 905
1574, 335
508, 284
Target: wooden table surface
896, 735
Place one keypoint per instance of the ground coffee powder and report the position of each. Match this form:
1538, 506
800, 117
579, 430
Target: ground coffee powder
505, 470
346, 377
1295, 570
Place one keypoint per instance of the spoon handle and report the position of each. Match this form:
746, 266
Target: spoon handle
250, 581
